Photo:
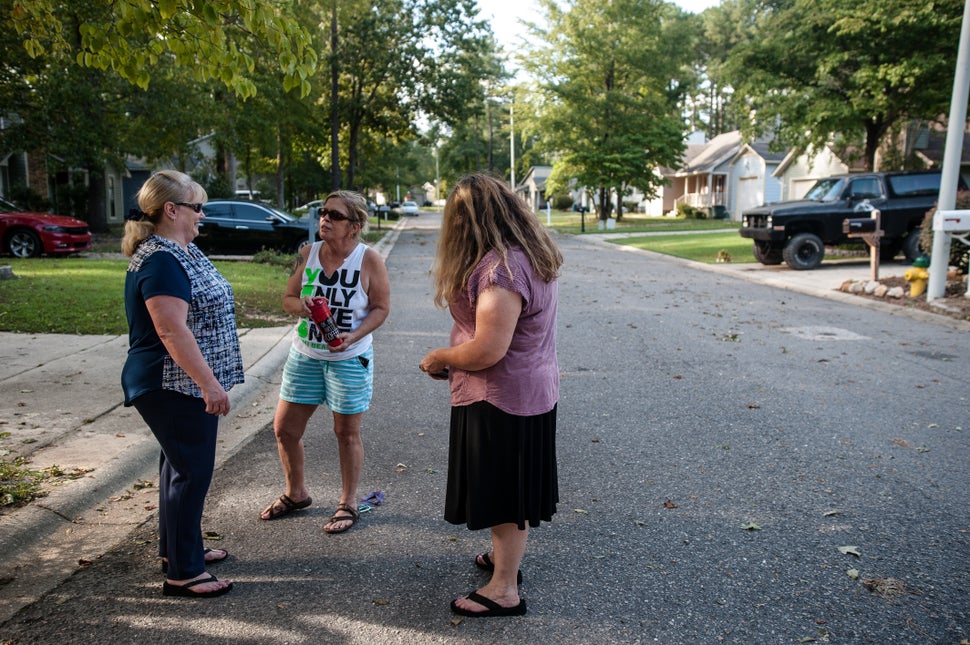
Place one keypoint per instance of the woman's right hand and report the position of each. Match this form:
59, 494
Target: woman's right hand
433, 367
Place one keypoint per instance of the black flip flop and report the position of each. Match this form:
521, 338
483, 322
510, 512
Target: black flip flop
185, 591
494, 609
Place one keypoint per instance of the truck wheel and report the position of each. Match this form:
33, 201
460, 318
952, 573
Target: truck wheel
911, 246
767, 253
804, 251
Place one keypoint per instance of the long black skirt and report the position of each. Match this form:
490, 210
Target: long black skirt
501, 467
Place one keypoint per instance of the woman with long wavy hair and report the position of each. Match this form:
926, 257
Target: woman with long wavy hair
496, 270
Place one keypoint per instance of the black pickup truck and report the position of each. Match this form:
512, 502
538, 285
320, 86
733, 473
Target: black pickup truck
798, 231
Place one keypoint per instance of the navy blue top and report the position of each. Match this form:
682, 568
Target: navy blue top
160, 267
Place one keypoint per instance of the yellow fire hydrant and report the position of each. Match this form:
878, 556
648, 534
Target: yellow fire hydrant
917, 275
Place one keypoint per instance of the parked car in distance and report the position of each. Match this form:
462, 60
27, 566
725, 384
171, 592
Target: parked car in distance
25, 234
239, 226
409, 208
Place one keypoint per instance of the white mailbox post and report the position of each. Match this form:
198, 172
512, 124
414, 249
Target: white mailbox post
955, 224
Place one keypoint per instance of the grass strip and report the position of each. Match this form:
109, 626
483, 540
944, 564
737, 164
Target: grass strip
700, 247
86, 296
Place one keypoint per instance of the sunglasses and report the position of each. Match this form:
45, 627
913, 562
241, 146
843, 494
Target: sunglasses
334, 216
196, 207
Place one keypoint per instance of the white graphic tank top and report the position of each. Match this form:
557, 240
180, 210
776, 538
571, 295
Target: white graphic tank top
348, 304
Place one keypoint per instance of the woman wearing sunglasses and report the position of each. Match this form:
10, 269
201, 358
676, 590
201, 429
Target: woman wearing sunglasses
353, 279
183, 356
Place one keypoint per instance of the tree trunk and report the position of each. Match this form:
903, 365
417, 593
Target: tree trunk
334, 96
97, 219
353, 143
280, 166
875, 129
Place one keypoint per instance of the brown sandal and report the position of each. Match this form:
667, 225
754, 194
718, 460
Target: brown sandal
274, 510
352, 518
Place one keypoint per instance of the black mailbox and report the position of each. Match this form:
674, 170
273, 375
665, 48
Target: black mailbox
859, 225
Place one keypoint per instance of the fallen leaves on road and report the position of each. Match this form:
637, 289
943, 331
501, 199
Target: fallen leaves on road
888, 588
850, 550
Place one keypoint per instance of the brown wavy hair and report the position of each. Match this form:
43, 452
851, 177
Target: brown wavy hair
482, 214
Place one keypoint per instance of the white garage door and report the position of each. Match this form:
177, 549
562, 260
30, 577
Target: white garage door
749, 194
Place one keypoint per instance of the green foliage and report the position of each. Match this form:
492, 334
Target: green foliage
959, 251
819, 68
133, 38
689, 212
18, 483
274, 258
610, 91
714, 107
562, 201
394, 59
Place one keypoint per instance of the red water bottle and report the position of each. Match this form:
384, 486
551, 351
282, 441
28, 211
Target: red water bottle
320, 312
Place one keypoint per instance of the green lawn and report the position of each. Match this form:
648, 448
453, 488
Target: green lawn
701, 247
570, 222
86, 296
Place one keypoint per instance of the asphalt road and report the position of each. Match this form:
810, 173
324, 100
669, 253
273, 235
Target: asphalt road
729, 454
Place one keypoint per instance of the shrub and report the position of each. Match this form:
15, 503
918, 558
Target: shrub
959, 252
689, 212
274, 258
562, 202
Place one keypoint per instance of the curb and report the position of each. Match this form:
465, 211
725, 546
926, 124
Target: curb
45, 541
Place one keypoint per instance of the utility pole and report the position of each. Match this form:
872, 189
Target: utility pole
512, 145
940, 255
334, 96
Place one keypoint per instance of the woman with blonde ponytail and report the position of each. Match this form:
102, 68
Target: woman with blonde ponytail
183, 357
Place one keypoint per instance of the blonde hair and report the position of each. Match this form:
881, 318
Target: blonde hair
482, 215
357, 205
163, 186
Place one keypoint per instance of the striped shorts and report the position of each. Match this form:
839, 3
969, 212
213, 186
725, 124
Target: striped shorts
344, 386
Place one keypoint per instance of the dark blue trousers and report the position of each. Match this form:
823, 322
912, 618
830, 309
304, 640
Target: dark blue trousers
187, 434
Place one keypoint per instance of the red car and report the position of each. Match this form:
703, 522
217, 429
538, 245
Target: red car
27, 235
